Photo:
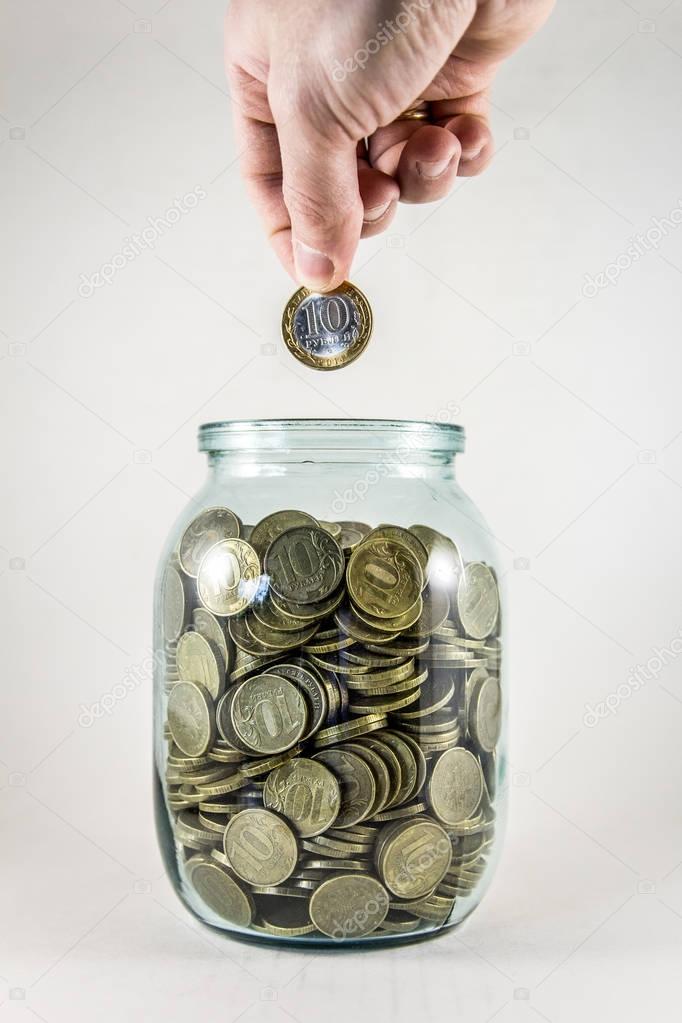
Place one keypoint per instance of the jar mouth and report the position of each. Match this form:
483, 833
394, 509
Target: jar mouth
330, 435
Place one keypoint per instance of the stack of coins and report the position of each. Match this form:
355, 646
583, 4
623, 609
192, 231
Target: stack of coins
333, 712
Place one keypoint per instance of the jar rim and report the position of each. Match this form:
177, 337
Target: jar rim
328, 434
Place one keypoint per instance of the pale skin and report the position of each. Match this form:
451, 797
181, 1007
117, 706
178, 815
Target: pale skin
318, 87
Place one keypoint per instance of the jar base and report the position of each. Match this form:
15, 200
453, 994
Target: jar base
320, 943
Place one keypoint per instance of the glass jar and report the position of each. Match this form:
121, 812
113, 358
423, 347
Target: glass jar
329, 723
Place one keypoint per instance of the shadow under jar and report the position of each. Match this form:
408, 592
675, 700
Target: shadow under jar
329, 718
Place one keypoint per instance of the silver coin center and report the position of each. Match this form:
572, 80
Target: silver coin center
326, 325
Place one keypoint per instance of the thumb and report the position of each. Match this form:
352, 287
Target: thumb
322, 196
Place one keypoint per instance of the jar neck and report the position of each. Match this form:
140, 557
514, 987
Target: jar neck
378, 463
387, 448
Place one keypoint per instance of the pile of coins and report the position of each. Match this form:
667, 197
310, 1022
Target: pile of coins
333, 711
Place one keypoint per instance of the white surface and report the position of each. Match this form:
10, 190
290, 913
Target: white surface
575, 454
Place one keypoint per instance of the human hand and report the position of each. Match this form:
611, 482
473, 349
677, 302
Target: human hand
312, 81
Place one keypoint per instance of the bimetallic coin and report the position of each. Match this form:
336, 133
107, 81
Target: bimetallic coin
306, 793
456, 786
478, 600
327, 331
268, 713
384, 578
191, 718
204, 532
260, 847
219, 891
413, 857
229, 577
197, 662
485, 713
305, 565
348, 906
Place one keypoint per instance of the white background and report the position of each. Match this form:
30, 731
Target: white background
110, 111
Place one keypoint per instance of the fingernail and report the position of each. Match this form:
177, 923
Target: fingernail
434, 170
375, 213
314, 268
472, 154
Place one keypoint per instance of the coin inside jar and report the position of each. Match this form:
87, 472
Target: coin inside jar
305, 564
384, 578
268, 713
191, 718
220, 891
260, 847
206, 530
349, 906
228, 577
306, 793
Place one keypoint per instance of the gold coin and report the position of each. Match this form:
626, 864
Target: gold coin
332, 527
350, 729
269, 528
283, 918
347, 907
435, 610
260, 847
189, 826
309, 612
407, 762
219, 891
277, 640
357, 782
391, 761
414, 858
254, 768
206, 530
210, 628
399, 622
228, 578
403, 536
478, 601
485, 713
307, 793
198, 662
191, 718
327, 331
455, 788
384, 704
268, 713
305, 677
305, 565
352, 533
445, 562
348, 621
384, 578
174, 604
269, 614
